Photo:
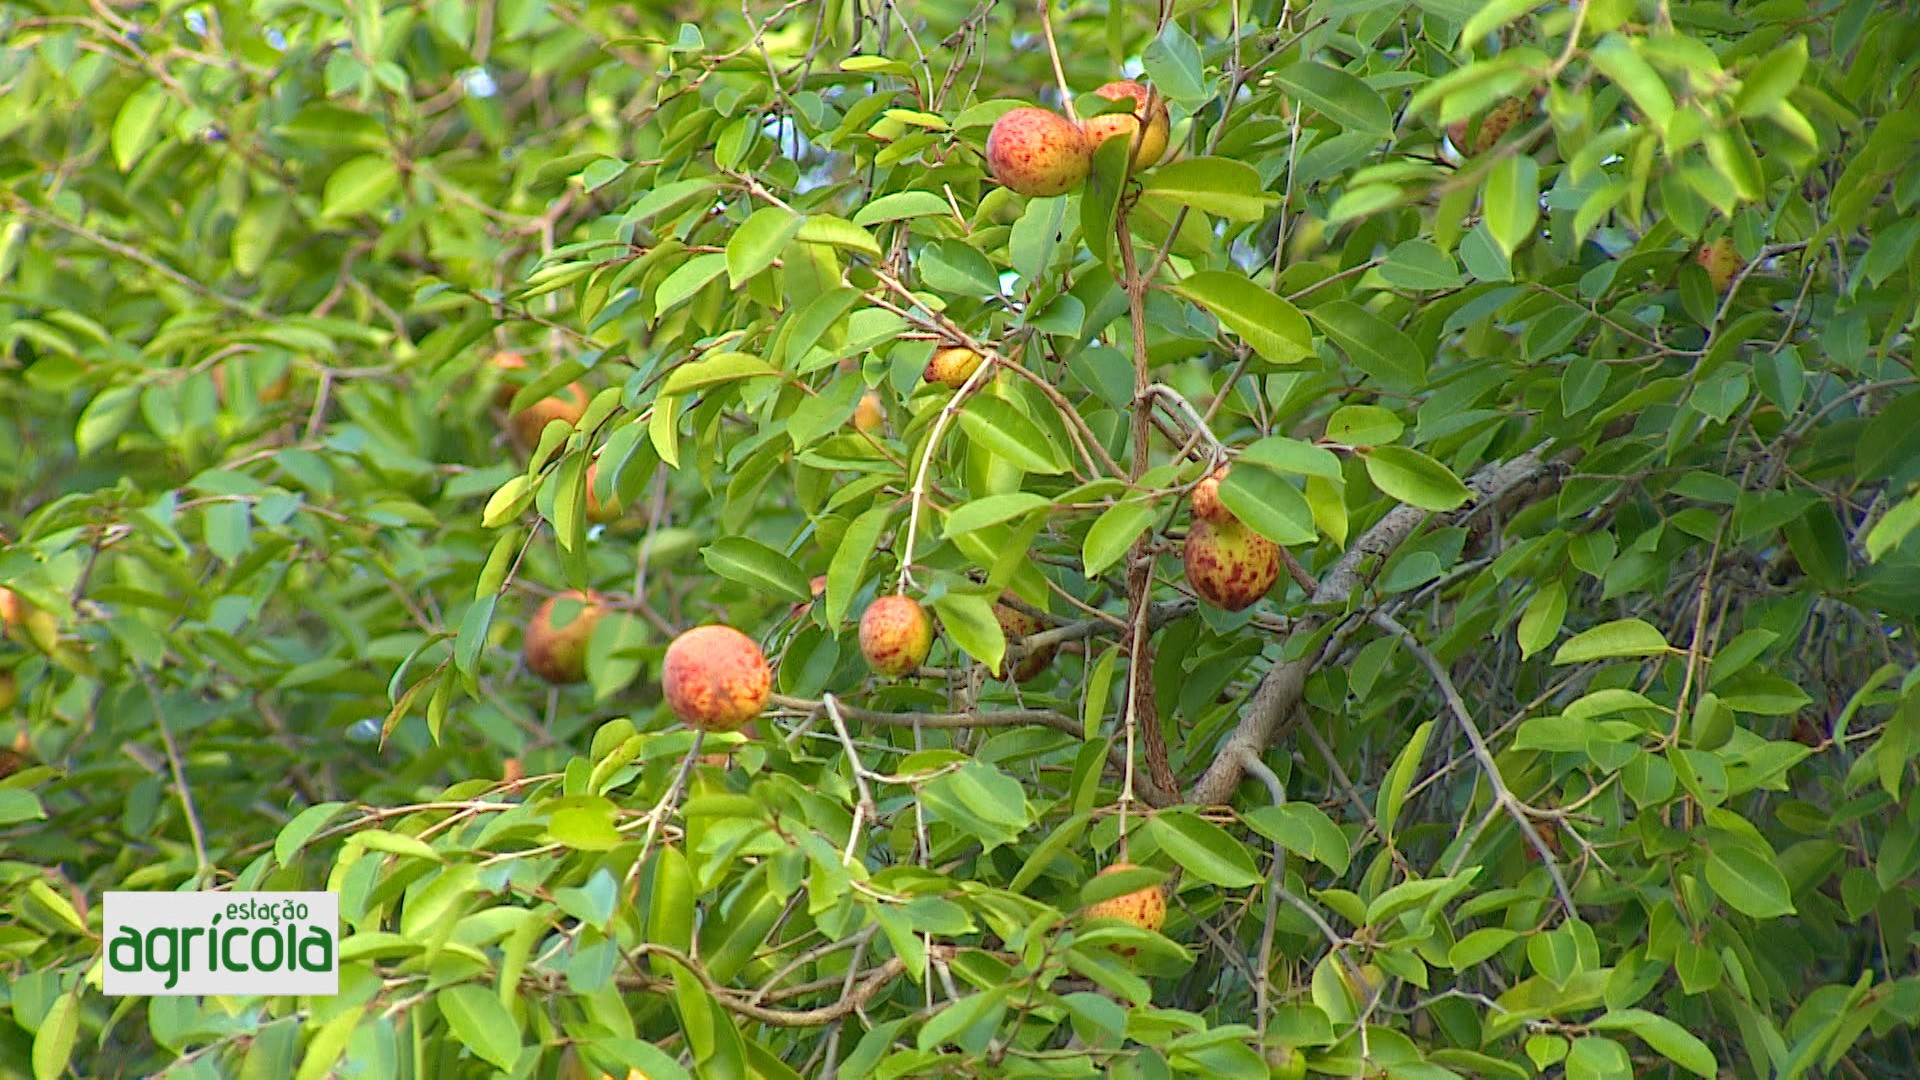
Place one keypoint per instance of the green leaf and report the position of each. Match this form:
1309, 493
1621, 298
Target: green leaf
1203, 849
53, 1040
1420, 265
838, 232
1113, 532
1273, 328
1399, 779
508, 502
1893, 528
1338, 96
1291, 456
1609, 641
993, 510
1667, 1038
256, 233
968, 619
1414, 478
304, 826
687, 279
585, 826
714, 370
1511, 202
1270, 505
1100, 203
757, 242
1541, 623
1007, 433
1617, 59
327, 1044
901, 205
1766, 85
1305, 830
17, 806
1492, 15
137, 126
393, 843
481, 1023
758, 567
359, 185
1363, 426
1376, 346
1748, 881
667, 196
848, 567
1174, 66
1219, 186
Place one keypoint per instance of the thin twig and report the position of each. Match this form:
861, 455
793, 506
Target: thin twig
1504, 798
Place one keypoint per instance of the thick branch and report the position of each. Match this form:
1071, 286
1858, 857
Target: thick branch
1279, 691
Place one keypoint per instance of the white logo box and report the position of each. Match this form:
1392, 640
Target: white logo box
238, 943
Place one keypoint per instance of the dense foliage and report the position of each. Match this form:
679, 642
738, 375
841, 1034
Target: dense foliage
1566, 350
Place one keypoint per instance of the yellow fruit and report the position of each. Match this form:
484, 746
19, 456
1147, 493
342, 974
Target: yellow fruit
23, 621
1017, 625
715, 678
569, 404
1152, 145
1145, 908
1721, 263
868, 415
1228, 564
1205, 499
1037, 152
556, 644
952, 366
895, 635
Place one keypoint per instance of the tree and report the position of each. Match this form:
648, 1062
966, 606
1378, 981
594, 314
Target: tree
1561, 356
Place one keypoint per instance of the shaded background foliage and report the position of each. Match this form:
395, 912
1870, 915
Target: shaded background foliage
256, 259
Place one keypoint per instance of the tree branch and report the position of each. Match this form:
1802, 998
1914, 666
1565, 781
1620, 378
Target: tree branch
1280, 690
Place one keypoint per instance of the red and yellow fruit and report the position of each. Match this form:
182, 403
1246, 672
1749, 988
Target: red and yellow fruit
556, 640
895, 636
1145, 908
1017, 625
1148, 146
1721, 262
1036, 152
25, 622
1228, 564
569, 404
1494, 126
952, 366
715, 678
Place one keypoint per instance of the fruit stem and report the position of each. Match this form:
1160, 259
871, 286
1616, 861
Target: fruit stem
917, 495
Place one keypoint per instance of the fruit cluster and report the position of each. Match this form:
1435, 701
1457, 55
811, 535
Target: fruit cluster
1038, 152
